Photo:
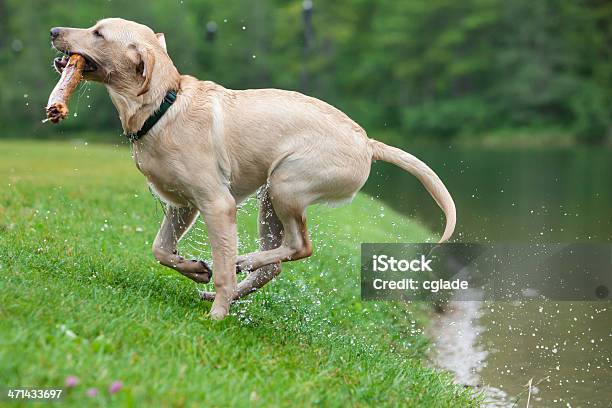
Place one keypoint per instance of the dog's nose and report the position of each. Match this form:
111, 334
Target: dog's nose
55, 31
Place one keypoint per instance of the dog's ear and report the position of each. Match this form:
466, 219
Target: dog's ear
144, 59
161, 38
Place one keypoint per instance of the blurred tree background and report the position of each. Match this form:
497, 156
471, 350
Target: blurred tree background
411, 68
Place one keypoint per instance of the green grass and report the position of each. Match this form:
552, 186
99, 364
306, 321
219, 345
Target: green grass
82, 295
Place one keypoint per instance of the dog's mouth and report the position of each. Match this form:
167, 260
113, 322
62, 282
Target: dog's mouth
60, 63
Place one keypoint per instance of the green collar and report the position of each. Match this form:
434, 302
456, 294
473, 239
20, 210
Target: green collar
154, 118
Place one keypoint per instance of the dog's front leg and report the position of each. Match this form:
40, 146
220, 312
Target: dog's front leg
176, 223
220, 218
270, 237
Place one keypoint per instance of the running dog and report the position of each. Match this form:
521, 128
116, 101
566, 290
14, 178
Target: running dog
212, 147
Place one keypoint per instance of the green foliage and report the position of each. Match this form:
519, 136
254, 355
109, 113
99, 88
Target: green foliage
448, 117
423, 68
83, 296
591, 113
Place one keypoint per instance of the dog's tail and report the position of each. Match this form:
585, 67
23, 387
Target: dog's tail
426, 176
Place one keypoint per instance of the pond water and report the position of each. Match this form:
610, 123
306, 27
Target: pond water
522, 196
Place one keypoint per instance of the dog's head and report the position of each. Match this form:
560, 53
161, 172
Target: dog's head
120, 53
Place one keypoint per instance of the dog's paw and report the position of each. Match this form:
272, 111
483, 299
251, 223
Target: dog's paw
218, 311
201, 267
196, 270
198, 277
208, 296
243, 265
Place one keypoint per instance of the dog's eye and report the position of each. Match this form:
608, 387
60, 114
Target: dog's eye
98, 34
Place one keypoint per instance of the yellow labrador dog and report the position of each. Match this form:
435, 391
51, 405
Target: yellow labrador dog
213, 147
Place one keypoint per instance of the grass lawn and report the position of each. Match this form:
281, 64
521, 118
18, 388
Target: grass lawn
81, 295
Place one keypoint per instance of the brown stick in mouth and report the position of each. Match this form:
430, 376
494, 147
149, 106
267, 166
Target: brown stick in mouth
57, 106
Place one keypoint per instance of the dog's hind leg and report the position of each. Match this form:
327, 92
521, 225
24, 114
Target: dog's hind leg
270, 237
176, 223
289, 200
